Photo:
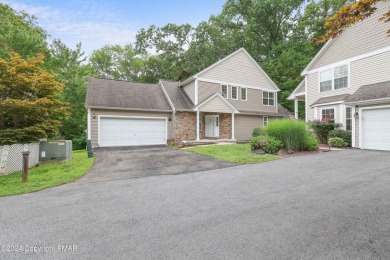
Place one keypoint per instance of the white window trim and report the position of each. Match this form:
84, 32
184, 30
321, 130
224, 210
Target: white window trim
332, 69
334, 112
265, 120
227, 91
246, 94
236, 93
345, 119
262, 98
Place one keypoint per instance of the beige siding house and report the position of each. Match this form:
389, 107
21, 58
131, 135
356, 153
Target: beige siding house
349, 80
223, 102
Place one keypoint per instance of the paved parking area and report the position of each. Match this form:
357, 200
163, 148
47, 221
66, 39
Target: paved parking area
137, 162
331, 205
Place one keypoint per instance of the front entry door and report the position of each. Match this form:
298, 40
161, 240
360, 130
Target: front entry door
212, 126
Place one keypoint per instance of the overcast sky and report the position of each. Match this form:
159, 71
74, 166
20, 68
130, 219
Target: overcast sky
96, 23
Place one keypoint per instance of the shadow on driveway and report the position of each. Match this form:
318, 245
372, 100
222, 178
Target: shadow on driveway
137, 162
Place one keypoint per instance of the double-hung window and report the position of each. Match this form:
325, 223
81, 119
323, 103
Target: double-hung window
327, 113
333, 79
348, 118
268, 98
225, 91
326, 80
244, 94
341, 77
265, 120
234, 92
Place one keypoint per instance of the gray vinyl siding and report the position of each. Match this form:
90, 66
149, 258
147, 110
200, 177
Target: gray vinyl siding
216, 105
366, 71
97, 112
244, 125
238, 69
190, 90
254, 97
206, 89
364, 37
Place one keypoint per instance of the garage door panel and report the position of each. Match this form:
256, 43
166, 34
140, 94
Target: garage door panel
132, 131
376, 129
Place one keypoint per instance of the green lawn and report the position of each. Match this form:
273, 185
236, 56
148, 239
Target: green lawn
47, 175
236, 153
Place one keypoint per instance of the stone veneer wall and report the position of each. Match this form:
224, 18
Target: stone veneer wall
185, 126
225, 126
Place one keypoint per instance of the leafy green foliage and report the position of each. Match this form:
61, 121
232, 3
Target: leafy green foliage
258, 131
345, 135
266, 143
337, 142
310, 143
322, 128
67, 65
20, 33
47, 175
235, 153
29, 109
291, 132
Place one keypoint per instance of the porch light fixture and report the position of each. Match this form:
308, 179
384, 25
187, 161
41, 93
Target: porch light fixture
356, 115
94, 116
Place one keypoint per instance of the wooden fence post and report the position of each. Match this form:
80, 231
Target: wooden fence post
25, 166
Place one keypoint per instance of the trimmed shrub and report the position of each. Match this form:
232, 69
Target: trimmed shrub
322, 128
266, 143
310, 142
258, 131
337, 142
292, 133
345, 135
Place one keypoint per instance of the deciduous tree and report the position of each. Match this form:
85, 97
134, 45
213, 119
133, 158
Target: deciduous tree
29, 108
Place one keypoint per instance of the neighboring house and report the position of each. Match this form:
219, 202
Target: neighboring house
349, 81
225, 101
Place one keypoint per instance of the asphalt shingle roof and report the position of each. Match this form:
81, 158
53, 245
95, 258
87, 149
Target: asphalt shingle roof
330, 99
179, 98
125, 94
370, 92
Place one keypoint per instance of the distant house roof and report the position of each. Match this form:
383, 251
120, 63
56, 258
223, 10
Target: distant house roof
371, 92
331, 99
110, 93
178, 97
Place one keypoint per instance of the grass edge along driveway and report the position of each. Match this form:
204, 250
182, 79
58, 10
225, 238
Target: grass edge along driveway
235, 153
46, 175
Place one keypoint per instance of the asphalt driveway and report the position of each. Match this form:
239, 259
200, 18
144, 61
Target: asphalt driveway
332, 205
137, 162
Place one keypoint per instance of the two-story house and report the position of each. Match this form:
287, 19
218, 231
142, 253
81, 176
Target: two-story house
349, 81
225, 101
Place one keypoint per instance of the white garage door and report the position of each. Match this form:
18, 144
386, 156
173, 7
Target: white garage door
376, 129
132, 131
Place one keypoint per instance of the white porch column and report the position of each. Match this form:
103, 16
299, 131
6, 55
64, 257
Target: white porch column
197, 125
296, 108
233, 126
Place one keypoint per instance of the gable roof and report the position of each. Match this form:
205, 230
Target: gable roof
108, 93
176, 95
244, 52
219, 96
364, 37
371, 92
297, 91
331, 99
